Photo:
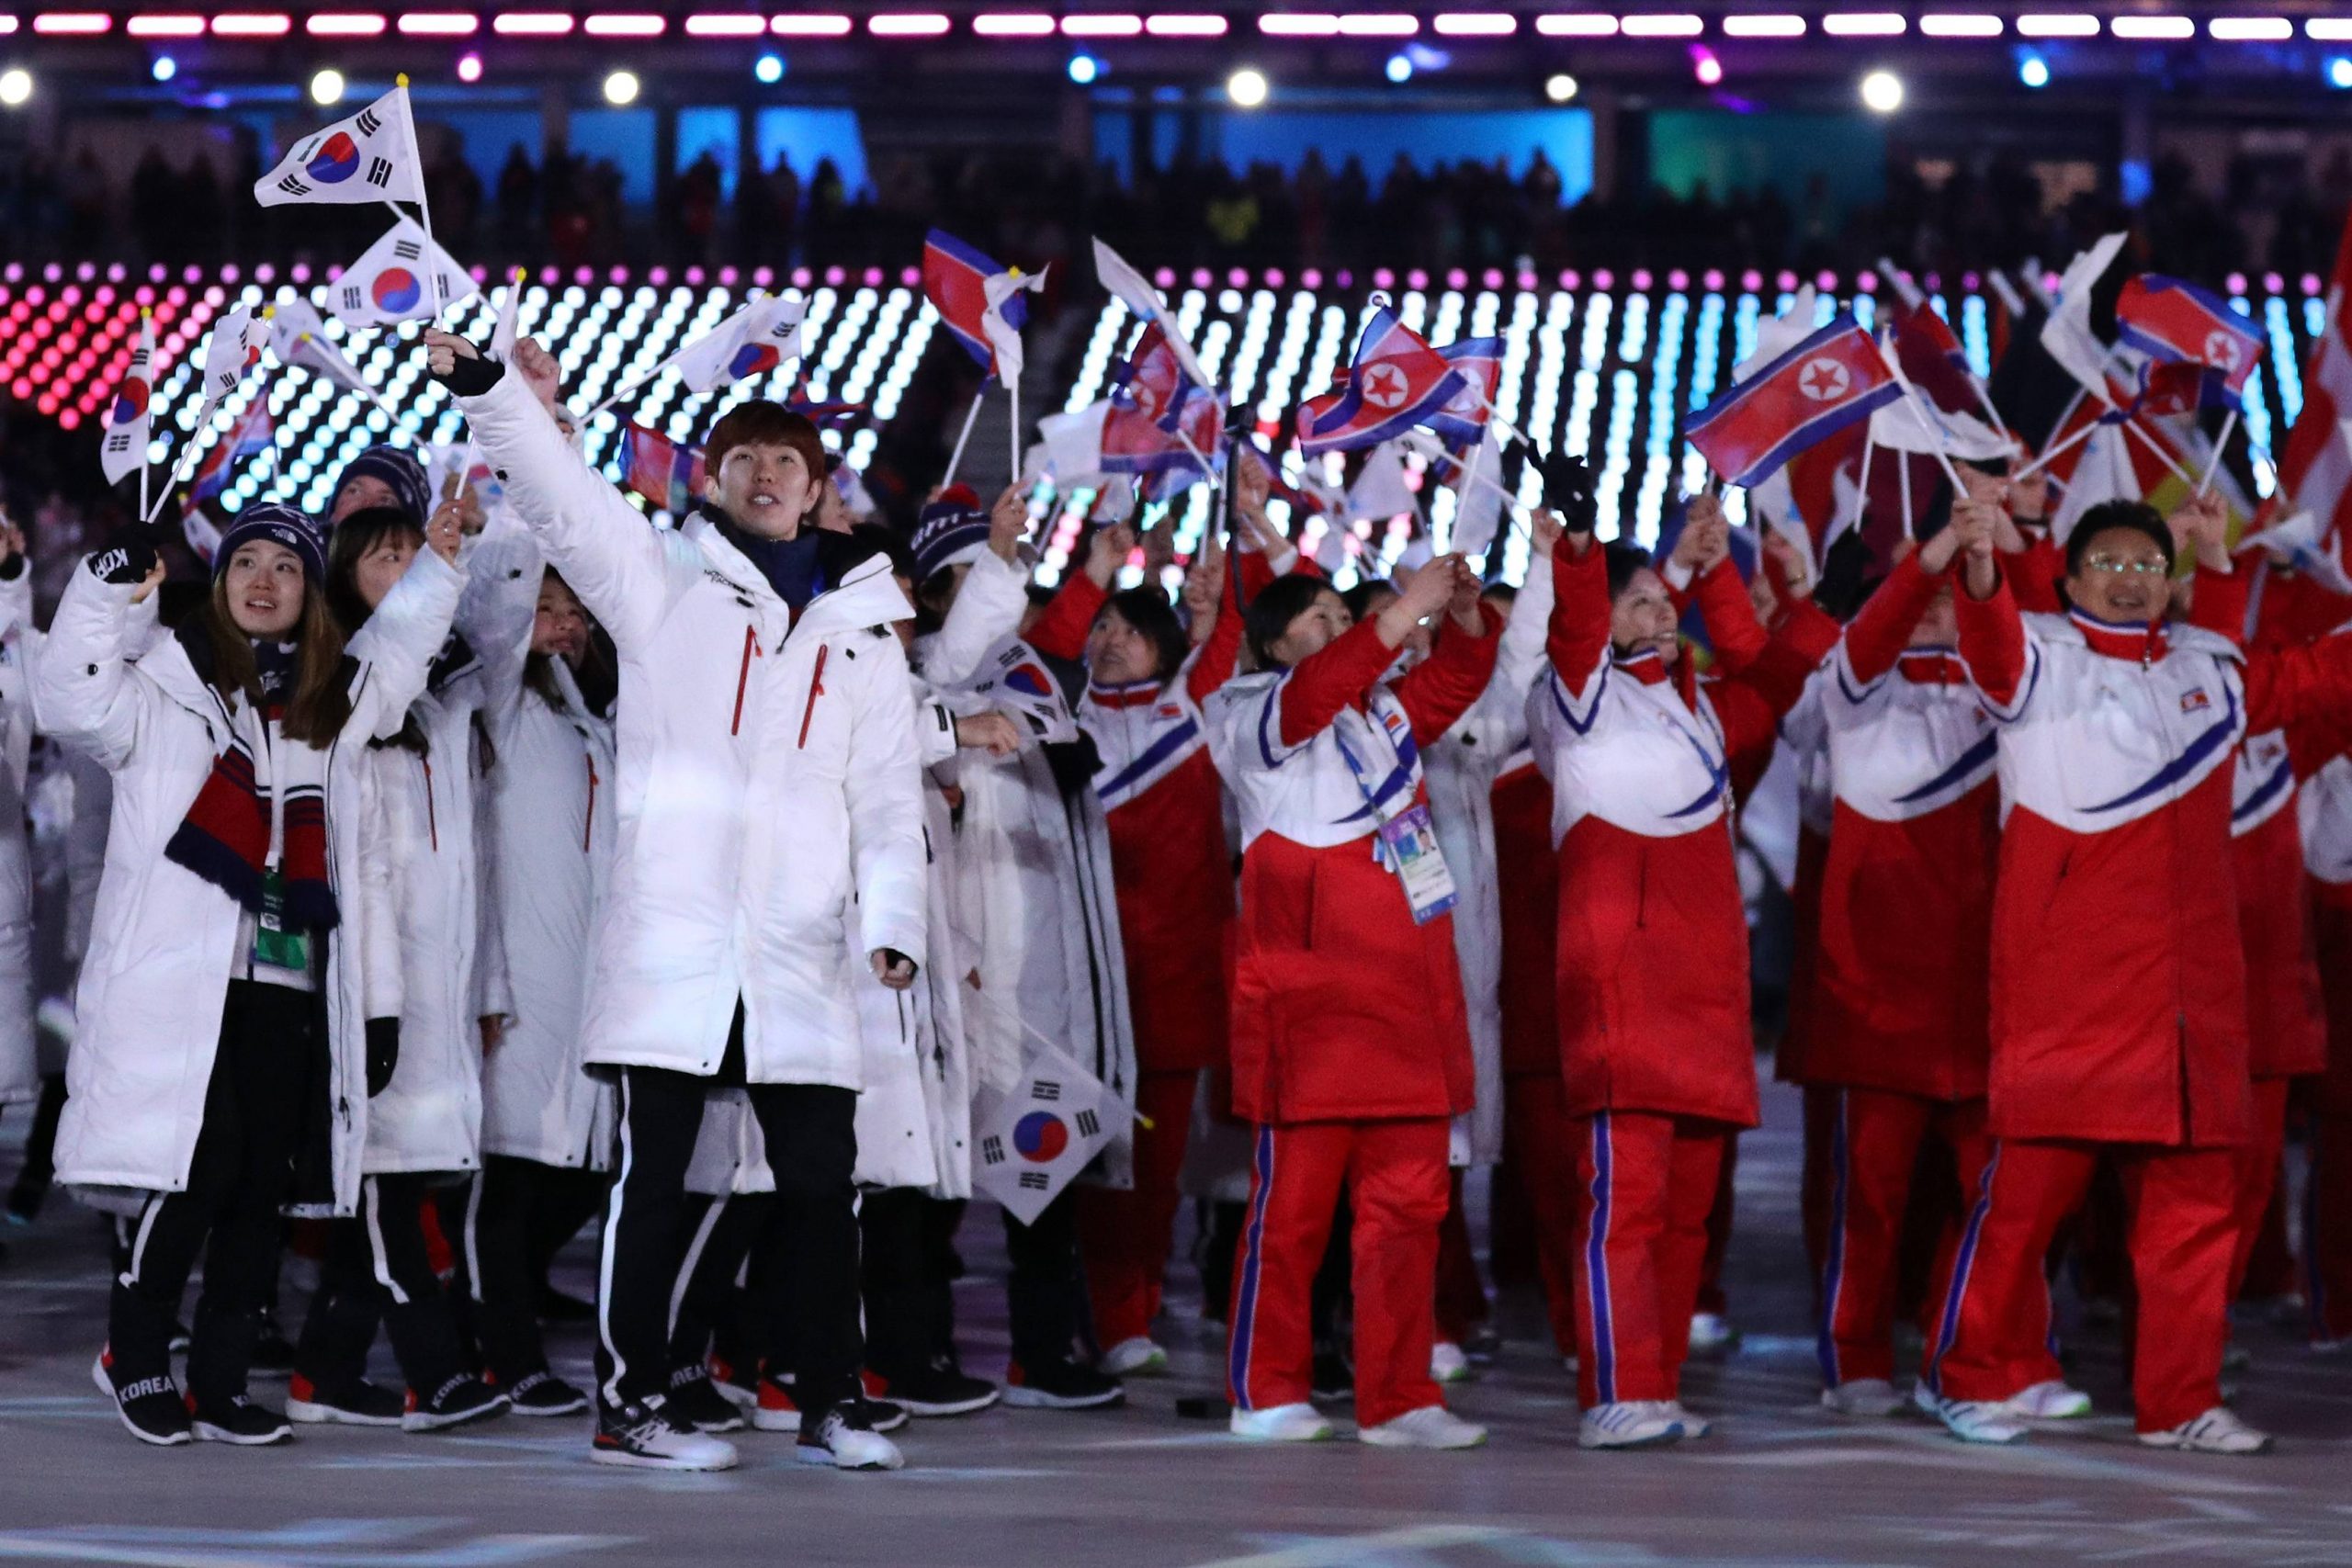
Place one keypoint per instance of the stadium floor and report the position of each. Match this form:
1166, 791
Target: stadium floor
1780, 1482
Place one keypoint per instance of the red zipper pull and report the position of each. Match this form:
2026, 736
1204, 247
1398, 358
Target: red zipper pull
743, 679
816, 690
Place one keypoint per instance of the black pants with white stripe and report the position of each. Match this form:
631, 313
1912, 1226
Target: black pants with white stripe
378, 1270
518, 1214
811, 1135
263, 1071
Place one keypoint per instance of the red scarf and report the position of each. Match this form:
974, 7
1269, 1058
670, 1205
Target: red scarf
224, 839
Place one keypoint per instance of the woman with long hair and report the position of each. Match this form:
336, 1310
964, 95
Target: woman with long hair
234, 1010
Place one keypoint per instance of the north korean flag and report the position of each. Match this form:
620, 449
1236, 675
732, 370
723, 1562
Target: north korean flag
955, 279
1832, 379
2175, 320
1152, 383
1932, 355
1396, 382
1480, 361
667, 473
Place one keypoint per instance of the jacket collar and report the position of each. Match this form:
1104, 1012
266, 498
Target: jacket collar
867, 595
1133, 694
1931, 664
2136, 641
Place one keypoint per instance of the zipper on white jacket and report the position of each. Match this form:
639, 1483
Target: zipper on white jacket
816, 690
432, 819
588, 827
743, 678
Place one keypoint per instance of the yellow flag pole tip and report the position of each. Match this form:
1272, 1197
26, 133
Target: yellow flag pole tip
269, 312
401, 80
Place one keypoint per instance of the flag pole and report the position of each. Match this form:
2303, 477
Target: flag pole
2046, 458
1927, 414
2219, 443
1012, 435
1861, 491
971, 417
2132, 423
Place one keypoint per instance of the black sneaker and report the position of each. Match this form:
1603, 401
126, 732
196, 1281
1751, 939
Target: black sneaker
181, 1337
850, 1437
241, 1422
693, 1399
942, 1389
544, 1393
150, 1407
454, 1402
1332, 1377
1060, 1385
643, 1436
273, 1352
356, 1403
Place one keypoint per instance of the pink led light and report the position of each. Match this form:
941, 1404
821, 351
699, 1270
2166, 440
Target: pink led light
624, 24
251, 24
1763, 26
1104, 27
810, 24
1661, 24
1863, 24
2057, 24
1015, 24
1379, 24
1184, 26
531, 24
8, 25
343, 24
724, 26
1578, 24
72, 23
2250, 29
1476, 24
1299, 24
907, 24
1705, 66
2148, 29
164, 27
469, 68
439, 24
1960, 23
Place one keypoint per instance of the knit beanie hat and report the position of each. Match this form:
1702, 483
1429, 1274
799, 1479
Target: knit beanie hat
951, 531
279, 525
400, 472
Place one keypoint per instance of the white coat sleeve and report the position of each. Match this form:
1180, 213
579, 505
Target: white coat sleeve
493, 990
84, 691
986, 611
400, 642
886, 814
379, 928
621, 566
85, 849
17, 598
1518, 657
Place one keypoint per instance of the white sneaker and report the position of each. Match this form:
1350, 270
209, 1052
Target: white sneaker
1628, 1424
2052, 1401
1281, 1424
2216, 1432
1431, 1426
1980, 1421
1136, 1357
1568, 1365
1862, 1396
1924, 1399
845, 1439
1448, 1363
1693, 1425
641, 1437
1712, 1334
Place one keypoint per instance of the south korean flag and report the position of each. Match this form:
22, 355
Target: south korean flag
369, 157
233, 348
130, 419
1030, 1141
405, 277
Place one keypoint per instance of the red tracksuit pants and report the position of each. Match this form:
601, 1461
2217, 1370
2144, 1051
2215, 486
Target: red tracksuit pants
1395, 1175
2181, 1232
2328, 1229
2257, 1173
1870, 1141
1541, 1137
1125, 1236
1646, 1181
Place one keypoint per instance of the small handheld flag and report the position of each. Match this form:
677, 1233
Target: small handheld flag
131, 418
1031, 1140
1828, 381
233, 348
668, 473
510, 311
1396, 382
405, 277
1462, 420
1144, 300
369, 156
755, 339
2173, 321
298, 336
984, 305
256, 432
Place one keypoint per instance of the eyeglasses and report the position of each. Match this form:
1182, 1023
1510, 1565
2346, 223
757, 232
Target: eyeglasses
2138, 567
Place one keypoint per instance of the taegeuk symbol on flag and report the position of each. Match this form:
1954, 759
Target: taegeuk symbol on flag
1826, 382
131, 418
753, 341
1031, 1140
405, 277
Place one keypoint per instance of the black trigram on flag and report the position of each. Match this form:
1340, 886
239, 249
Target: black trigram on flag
1087, 1123
352, 297
118, 443
380, 172
407, 250
369, 121
991, 1150
1044, 1089
1035, 1181
292, 185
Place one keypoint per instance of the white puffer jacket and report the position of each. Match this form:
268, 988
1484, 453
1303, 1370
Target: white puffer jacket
19, 1064
164, 939
769, 824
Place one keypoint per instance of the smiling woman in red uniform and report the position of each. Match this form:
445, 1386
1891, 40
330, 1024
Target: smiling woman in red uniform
2119, 1003
1351, 1048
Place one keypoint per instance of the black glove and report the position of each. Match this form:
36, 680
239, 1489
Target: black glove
472, 377
383, 1053
128, 558
1568, 488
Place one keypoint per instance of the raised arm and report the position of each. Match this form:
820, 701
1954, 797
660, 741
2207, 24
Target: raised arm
1323, 683
1209, 589
405, 636
1460, 662
2298, 686
86, 692
1577, 641
988, 607
617, 562
1059, 630
1877, 636
1519, 656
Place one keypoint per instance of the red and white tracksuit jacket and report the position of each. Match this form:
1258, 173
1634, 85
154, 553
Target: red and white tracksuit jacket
1173, 875
1898, 1025
1658, 1058
2116, 1019
1349, 1044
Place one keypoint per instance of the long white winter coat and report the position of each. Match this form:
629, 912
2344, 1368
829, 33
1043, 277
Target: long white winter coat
769, 825
1460, 769
549, 854
164, 939
19, 1064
